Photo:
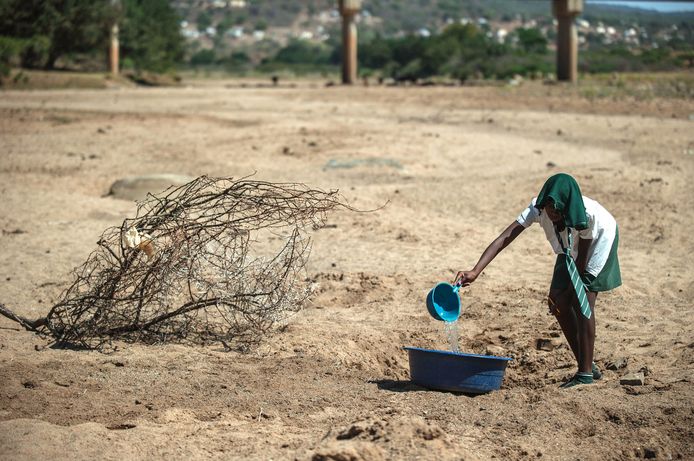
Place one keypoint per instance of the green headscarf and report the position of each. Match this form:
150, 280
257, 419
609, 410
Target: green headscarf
567, 198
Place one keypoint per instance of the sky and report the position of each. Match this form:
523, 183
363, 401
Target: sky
666, 7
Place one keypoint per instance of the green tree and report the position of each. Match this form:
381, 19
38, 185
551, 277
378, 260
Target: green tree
456, 45
375, 54
228, 22
239, 58
42, 31
55, 28
261, 25
238, 61
532, 40
203, 58
204, 21
10, 48
303, 52
150, 35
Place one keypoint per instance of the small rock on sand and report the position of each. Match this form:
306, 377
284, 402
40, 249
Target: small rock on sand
547, 344
632, 379
617, 363
137, 187
349, 452
495, 350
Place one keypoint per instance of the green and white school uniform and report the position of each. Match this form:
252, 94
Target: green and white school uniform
602, 269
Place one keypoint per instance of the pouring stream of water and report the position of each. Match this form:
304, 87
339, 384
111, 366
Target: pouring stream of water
452, 333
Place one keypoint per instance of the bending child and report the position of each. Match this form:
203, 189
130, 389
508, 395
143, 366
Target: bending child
585, 237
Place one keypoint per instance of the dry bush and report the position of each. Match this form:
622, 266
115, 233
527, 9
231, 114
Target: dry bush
195, 264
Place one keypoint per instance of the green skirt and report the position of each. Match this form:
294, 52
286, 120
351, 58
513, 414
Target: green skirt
609, 277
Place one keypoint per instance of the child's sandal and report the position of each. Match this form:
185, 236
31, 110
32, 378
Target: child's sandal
578, 378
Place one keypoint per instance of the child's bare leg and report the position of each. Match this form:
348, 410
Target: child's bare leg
560, 302
586, 335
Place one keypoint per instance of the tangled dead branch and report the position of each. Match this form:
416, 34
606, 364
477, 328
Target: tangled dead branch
213, 260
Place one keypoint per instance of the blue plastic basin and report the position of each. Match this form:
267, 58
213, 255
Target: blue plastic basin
456, 371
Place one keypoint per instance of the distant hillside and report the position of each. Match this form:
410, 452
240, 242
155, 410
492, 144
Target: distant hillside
245, 34
401, 15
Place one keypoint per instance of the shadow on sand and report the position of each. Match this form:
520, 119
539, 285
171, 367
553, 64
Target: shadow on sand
408, 386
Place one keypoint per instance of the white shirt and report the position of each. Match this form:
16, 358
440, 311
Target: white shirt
602, 229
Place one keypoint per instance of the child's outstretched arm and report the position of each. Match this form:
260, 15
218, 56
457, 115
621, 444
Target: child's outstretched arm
465, 278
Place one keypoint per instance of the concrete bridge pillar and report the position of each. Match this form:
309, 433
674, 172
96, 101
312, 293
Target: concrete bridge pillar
567, 39
114, 49
348, 10
114, 52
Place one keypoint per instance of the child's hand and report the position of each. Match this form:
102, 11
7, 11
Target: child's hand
465, 278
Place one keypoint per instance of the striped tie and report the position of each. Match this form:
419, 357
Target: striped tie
576, 281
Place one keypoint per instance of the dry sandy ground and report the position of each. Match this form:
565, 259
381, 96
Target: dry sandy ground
457, 165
